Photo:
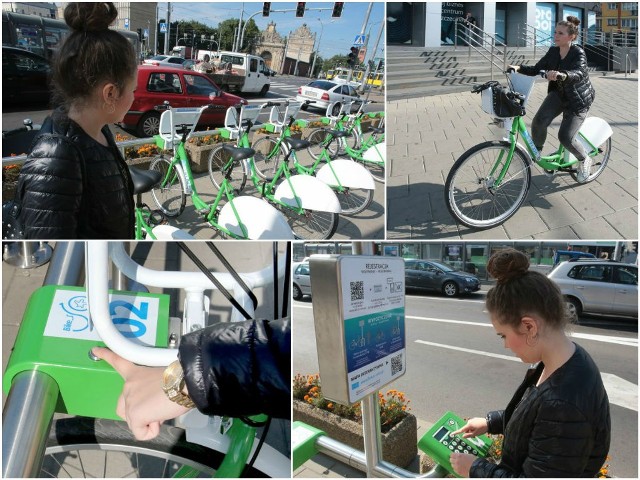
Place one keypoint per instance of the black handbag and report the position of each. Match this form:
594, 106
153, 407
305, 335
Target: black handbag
506, 103
12, 228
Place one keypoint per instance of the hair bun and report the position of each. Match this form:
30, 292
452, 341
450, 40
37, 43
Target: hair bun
507, 264
90, 17
574, 20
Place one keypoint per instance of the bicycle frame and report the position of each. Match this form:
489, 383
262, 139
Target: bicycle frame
180, 165
555, 161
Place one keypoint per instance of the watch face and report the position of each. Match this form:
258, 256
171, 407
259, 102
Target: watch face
172, 377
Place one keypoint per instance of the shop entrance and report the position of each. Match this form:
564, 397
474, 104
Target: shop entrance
510, 15
406, 23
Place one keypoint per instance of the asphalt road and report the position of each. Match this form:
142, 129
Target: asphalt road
456, 362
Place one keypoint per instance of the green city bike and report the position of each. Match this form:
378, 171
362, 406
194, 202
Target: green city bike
489, 182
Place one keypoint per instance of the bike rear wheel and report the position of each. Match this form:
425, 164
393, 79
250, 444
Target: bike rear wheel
470, 192
354, 200
169, 195
268, 157
599, 161
221, 165
311, 224
81, 447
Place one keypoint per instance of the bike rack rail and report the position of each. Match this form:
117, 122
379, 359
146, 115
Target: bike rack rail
30, 405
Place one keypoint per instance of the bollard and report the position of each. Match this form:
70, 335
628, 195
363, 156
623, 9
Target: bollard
26, 254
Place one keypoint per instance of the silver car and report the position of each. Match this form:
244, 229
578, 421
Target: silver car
301, 281
324, 93
598, 286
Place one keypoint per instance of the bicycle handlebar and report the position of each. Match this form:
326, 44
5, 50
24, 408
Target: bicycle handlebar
561, 76
27, 126
97, 293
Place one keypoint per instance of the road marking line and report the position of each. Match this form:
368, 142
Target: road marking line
620, 392
629, 342
468, 350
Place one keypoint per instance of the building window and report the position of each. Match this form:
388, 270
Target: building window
630, 22
612, 22
599, 24
629, 6
613, 6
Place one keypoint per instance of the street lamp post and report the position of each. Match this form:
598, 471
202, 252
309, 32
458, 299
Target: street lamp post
319, 40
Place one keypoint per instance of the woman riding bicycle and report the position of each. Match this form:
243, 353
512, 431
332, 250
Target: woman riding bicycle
75, 183
570, 93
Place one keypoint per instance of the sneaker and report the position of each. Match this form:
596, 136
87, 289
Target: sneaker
584, 170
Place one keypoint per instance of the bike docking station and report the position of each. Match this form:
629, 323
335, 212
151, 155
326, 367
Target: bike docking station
359, 315
52, 369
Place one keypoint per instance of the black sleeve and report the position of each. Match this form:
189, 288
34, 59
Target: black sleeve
577, 70
241, 368
50, 189
495, 422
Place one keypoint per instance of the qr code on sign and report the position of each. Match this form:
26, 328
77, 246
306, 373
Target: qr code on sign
396, 364
357, 290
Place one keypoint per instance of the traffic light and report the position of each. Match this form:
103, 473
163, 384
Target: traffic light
352, 60
300, 9
266, 8
337, 9
140, 34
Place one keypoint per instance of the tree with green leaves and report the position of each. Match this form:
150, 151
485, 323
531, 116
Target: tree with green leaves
227, 29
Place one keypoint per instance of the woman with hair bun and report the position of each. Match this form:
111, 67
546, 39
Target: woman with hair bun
570, 93
75, 183
557, 424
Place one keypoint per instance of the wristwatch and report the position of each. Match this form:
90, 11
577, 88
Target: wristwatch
173, 384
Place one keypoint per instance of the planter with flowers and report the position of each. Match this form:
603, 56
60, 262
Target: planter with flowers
199, 148
344, 423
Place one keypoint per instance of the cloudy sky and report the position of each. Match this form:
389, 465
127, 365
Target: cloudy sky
338, 34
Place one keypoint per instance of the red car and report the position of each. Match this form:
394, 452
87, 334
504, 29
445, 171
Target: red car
181, 88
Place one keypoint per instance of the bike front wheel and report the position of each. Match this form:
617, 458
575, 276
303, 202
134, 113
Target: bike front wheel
473, 193
81, 447
320, 139
311, 224
268, 157
599, 163
169, 194
221, 165
354, 200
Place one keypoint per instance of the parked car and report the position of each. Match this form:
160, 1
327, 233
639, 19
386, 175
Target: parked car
181, 88
563, 255
439, 277
301, 281
25, 77
164, 61
324, 93
598, 286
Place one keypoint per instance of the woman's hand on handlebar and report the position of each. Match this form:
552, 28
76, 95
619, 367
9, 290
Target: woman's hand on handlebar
474, 427
553, 75
143, 403
513, 68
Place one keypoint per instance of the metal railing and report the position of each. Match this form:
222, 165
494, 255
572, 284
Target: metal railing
483, 43
532, 37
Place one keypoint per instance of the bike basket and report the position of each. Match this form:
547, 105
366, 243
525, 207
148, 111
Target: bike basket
500, 102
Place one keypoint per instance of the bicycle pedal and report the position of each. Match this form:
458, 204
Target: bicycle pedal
204, 211
549, 173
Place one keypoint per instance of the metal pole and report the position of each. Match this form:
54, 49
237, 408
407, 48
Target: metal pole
67, 264
26, 254
371, 431
168, 33
26, 421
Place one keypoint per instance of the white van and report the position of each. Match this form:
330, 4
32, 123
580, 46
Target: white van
231, 65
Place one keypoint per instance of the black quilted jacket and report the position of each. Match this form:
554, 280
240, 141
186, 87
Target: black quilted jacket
239, 369
576, 89
63, 197
560, 429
